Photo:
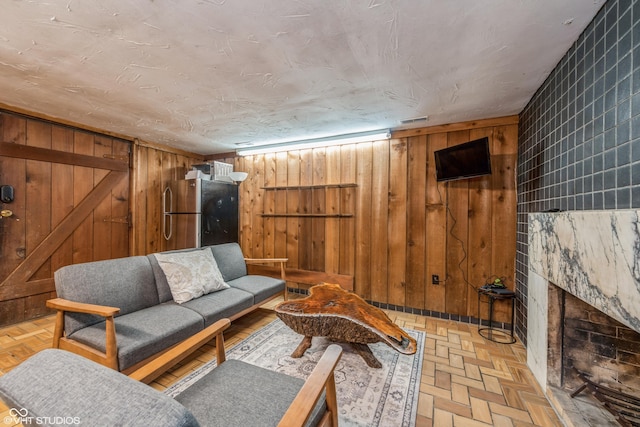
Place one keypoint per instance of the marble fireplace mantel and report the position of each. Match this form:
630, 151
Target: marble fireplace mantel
594, 255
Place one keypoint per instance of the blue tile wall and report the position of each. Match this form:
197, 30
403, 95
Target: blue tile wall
579, 136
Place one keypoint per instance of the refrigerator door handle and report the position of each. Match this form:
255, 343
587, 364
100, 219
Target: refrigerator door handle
165, 213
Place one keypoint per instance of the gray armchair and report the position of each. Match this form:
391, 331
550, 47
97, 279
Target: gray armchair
58, 385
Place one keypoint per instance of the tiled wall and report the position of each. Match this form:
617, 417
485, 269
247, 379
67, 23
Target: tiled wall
579, 143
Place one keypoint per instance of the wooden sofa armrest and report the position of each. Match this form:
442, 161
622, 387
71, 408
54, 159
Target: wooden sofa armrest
110, 356
159, 365
320, 379
62, 304
264, 260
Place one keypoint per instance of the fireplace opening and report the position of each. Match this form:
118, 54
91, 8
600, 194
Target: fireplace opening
584, 338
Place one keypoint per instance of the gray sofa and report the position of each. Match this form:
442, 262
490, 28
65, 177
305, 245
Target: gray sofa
121, 312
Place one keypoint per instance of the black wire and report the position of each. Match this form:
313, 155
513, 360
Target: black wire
464, 251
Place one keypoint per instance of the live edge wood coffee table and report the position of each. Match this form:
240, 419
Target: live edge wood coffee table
330, 311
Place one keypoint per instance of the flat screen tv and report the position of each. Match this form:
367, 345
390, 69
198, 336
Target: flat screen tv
466, 160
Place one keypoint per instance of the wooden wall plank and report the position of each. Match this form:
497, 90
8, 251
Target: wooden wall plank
436, 231
38, 196
480, 226
333, 169
305, 246
293, 205
14, 173
61, 194
82, 185
379, 220
363, 223
13, 229
503, 228
269, 226
259, 203
397, 222
46, 155
280, 223
141, 158
318, 206
245, 164
102, 224
348, 197
120, 204
457, 237
153, 218
416, 221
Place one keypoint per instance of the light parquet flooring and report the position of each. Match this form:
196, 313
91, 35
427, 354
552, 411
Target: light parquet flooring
467, 381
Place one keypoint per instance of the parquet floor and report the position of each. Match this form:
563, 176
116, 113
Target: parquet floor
467, 381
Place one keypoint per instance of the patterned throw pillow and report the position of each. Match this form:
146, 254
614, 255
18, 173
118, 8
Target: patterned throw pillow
191, 274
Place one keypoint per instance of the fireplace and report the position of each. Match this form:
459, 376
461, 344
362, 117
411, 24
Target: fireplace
584, 306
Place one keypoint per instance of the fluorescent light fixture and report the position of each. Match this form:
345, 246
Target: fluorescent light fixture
350, 138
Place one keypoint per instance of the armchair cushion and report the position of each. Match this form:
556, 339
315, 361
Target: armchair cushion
56, 383
239, 394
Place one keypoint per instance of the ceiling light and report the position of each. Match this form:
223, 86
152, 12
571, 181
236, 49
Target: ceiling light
350, 138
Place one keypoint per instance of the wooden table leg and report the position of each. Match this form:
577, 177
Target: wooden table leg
365, 352
302, 347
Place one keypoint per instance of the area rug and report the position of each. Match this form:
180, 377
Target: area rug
366, 396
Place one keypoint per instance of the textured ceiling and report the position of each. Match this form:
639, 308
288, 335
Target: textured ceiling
205, 76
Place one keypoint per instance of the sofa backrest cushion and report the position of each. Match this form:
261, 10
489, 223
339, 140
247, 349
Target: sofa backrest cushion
127, 283
230, 260
56, 385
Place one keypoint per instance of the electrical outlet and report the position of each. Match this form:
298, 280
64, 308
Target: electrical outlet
435, 279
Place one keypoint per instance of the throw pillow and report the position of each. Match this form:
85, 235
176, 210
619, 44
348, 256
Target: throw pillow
216, 282
189, 273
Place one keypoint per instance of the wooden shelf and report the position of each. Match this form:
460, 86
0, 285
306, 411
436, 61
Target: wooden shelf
310, 187
306, 215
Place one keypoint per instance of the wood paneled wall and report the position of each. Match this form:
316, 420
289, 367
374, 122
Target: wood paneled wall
154, 167
391, 232
405, 226
71, 205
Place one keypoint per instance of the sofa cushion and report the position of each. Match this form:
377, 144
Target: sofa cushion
191, 274
126, 283
218, 305
262, 287
145, 332
222, 399
56, 383
230, 260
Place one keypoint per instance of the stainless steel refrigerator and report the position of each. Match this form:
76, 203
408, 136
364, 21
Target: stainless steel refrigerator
198, 212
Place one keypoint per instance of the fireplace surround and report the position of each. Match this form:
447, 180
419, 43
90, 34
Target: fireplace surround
584, 303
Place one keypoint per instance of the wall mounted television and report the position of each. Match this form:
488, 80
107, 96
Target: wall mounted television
466, 160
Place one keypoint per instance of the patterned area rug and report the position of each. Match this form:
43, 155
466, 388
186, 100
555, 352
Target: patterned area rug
366, 396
